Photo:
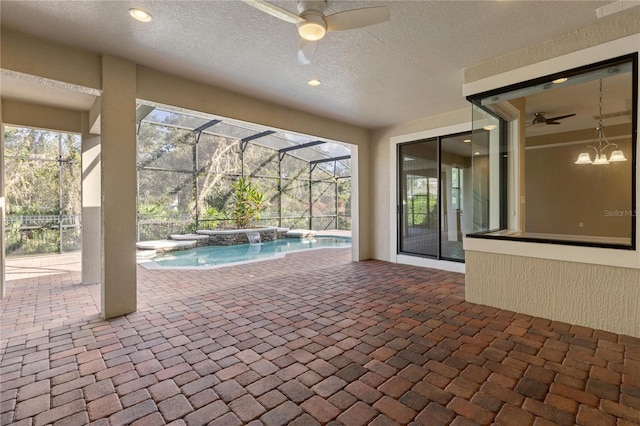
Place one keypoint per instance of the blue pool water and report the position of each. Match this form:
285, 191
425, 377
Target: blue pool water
220, 255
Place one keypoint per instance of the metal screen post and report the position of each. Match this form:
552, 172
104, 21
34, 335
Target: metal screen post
242, 146
310, 198
196, 139
60, 202
335, 182
280, 158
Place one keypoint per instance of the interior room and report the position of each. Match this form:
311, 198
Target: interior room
492, 274
557, 145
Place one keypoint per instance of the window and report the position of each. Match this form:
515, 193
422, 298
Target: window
554, 158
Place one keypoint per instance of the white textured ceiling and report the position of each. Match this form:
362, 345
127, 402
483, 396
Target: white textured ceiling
404, 69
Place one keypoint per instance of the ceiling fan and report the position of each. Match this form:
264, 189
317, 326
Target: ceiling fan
540, 120
313, 24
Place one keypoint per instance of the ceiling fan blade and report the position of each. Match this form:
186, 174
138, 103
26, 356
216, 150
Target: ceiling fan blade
306, 51
552, 122
275, 11
559, 118
357, 18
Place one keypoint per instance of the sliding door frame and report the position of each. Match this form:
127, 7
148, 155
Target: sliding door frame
394, 196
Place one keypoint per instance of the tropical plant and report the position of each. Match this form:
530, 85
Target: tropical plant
210, 217
246, 203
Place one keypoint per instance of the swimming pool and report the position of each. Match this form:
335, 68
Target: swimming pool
215, 256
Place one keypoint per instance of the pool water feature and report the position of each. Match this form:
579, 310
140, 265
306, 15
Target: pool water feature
215, 256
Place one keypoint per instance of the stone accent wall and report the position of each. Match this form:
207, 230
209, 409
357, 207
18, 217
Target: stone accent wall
227, 238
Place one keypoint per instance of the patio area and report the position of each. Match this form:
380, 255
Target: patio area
308, 339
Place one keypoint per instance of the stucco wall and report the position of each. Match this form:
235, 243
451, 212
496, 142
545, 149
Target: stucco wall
610, 28
596, 296
46, 59
588, 286
40, 116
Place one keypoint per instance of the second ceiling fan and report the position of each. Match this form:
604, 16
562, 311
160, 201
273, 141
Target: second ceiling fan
313, 24
540, 120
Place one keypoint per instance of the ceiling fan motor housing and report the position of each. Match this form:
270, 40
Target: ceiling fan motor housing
305, 6
539, 119
313, 27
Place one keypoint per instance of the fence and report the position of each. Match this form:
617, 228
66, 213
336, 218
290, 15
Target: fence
38, 234
160, 227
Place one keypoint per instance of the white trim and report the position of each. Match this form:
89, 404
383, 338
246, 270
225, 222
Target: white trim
577, 254
393, 197
424, 262
431, 133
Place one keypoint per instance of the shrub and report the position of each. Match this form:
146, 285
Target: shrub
246, 203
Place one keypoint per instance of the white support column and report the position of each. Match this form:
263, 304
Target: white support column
362, 203
118, 181
91, 194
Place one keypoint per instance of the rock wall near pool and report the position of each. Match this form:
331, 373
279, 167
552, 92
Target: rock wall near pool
229, 237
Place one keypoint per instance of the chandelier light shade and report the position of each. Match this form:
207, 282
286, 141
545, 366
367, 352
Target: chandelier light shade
600, 144
617, 155
601, 159
584, 158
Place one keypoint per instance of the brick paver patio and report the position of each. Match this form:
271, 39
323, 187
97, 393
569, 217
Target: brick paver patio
309, 339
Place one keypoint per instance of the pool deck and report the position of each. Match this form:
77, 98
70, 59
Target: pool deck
166, 245
314, 339
334, 233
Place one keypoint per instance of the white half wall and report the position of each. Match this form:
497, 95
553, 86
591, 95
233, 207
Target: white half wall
596, 296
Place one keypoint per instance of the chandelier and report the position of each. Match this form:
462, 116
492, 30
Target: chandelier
600, 144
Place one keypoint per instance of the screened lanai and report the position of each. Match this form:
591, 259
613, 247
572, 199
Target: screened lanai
188, 162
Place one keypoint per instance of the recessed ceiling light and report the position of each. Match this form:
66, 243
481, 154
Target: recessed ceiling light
476, 153
314, 82
140, 15
490, 127
559, 80
466, 140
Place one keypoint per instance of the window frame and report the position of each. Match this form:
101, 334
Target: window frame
475, 100
438, 256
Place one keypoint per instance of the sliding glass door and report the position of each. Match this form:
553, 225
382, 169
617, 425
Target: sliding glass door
419, 197
434, 209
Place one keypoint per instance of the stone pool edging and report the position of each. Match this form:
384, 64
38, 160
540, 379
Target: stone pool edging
220, 237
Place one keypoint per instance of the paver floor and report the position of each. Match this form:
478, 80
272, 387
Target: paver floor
309, 339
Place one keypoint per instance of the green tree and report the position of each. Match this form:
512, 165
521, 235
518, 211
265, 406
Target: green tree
42, 178
246, 204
